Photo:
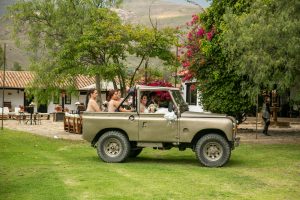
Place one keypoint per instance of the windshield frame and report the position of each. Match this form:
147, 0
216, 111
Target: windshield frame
178, 99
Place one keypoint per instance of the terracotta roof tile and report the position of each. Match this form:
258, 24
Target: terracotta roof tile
20, 79
84, 81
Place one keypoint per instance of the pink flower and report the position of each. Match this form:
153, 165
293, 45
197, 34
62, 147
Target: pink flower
189, 53
195, 18
193, 87
186, 63
187, 77
200, 32
209, 35
190, 36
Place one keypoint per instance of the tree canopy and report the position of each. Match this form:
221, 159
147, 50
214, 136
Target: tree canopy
263, 45
74, 37
206, 61
237, 48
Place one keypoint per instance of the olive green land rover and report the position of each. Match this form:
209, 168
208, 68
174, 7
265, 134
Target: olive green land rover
164, 122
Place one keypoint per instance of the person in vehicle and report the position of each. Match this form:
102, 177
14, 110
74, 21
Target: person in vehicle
143, 108
114, 102
92, 105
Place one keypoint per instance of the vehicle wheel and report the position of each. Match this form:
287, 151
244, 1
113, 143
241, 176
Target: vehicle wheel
135, 152
113, 147
213, 150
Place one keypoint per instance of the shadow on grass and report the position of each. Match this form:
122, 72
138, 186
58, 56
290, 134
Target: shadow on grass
164, 160
184, 161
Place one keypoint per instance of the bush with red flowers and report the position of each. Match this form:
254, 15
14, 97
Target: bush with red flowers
163, 96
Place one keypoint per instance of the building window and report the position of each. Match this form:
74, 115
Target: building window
191, 94
68, 99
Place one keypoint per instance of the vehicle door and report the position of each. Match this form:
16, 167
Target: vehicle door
157, 127
127, 121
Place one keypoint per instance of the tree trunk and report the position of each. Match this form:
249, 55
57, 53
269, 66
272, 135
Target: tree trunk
135, 71
99, 88
121, 77
115, 84
146, 70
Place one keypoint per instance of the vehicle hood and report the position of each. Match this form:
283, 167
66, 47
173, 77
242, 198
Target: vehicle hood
190, 114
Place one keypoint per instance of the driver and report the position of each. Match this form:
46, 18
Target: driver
143, 103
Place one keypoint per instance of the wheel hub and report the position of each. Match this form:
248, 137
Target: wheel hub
213, 151
112, 147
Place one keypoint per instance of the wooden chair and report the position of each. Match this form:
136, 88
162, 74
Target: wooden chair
78, 127
71, 124
37, 119
66, 123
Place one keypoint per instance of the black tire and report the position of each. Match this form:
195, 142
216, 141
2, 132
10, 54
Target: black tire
113, 147
135, 152
213, 150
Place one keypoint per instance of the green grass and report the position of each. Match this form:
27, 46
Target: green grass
35, 167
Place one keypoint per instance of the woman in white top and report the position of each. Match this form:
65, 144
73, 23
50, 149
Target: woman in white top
143, 103
92, 105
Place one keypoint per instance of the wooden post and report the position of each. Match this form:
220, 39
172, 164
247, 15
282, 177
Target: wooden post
3, 83
256, 116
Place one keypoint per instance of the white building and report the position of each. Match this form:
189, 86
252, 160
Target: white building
17, 81
190, 93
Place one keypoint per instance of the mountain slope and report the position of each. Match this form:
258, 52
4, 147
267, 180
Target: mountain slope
163, 12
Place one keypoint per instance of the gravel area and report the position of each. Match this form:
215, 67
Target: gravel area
47, 128
247, 132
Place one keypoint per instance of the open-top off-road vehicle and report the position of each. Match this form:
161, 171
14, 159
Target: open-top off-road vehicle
168, 123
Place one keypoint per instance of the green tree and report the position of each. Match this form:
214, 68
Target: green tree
99, 49
82, 37
152, 43
49, 25
264, 45
17, 66
205, 60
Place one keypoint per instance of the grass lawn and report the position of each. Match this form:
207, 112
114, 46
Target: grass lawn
35, 167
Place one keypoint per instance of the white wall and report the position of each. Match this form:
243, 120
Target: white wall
74, 99
16, 97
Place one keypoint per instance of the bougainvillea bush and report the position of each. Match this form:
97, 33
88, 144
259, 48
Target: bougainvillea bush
205, 62
162, 96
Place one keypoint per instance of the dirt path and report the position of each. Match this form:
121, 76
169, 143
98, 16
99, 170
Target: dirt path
247, 132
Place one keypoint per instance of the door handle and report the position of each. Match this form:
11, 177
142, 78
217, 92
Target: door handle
131, 118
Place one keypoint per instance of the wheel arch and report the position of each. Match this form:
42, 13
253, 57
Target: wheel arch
98, 135
204, 132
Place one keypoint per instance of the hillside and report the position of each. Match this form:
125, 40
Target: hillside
163, 12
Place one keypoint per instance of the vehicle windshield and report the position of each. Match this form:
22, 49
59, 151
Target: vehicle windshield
129, 102
179, 100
